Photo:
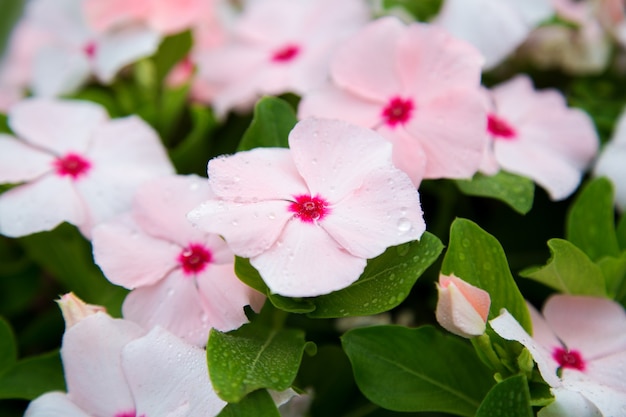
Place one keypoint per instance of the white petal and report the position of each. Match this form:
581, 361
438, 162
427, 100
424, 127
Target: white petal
54, 404
20, 162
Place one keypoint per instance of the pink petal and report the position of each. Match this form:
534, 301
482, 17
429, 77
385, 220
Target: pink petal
611, 164
20, 162
407, 154
58, 125
542, 333
307, 262
596, 327
175, 16
40, 206
106, 14
169, 377
569, 403
54, 404
130, 257
608, 370
456, 313
365, 64
91, 354
59, 70
610, 402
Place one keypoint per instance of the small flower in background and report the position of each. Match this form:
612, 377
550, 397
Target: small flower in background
495, 27
181, 278
462, 308
114, 368
310, 216
534, 134
418, 87
277, 46
579, 346
611, 164
72, 164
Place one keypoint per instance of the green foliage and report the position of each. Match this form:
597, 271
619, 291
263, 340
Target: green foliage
569, 271
509, 398
516, 191
172, 50
478, 258
256, 404
419, 369
383, 285
273, 120
422, 10
193, 153
621, 232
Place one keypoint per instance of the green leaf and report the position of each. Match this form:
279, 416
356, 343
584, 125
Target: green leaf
510, 398
614, 271
8, 348
171, 51
478, 258
569, 271
591, 220
385, 282
422, 10
419, 369
33, 376
256, 404
253, 357
516, 191
273, 120
193, 153
621, 232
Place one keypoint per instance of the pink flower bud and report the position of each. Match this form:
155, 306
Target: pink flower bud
462, 309
74, 309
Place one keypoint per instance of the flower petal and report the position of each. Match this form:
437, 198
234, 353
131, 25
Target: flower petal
20, 162
332, 103
59, 70
610, 402
53, 404
569, 403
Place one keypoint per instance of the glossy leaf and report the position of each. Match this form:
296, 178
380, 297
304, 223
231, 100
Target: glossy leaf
192, 154
273, 120
256, 404
614, 271
171, 51
621, 232
419, 369
33, 376
510, 398
478, 258
8, 349
591, 220
569, 271
516, 191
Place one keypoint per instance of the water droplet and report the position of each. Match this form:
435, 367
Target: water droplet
461, 256
271, 216
314, 161
466, 243
194, 186
404, 225
235, 223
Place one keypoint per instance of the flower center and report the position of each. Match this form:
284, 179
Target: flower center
309, 209
71, 164
500, 128
286, 53
568, 358
194, 258
398, 111
90, 49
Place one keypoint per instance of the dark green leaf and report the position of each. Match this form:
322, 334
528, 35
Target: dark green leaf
591, 220
8, 349
193, 153
253, 357
569, 271
256, 404
478, 258
419, 369
171, 51
614, 271
516, 191
510, 398
273, 120
422, 10
33, 376
621, 232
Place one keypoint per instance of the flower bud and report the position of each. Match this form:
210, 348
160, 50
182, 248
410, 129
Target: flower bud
74, 309
462, 309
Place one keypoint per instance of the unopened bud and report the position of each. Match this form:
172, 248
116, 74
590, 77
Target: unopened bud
462, 308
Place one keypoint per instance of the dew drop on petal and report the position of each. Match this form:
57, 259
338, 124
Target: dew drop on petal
404, 225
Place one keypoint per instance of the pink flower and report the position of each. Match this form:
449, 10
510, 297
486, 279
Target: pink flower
278, 46
182, 279
534, 134
495, 27
418, 87
584, 338
462, 308
73, 164
610, 163
309, 217
74, 309
112, 368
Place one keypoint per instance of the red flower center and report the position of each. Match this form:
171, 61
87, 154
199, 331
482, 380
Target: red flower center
128, 414
568, 358
286, 53
500, 128
398, 111
90, 49
309, 209
194, 258
71, 164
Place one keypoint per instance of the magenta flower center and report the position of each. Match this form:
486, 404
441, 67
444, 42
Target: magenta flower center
286, 53
568, 358
499, 127
398, 111
90, 49
128, 414
309, 209
194, 258
71, 164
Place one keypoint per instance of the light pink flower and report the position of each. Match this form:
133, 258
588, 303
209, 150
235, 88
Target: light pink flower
534, 134
183, 279
73, 164
278, 46
416, 85
495, 27
461, 307
112, 368
74, 309
611, 164
585, 339
309, 217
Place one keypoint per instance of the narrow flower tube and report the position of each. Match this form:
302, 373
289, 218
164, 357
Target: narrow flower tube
462, 308
74, 309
